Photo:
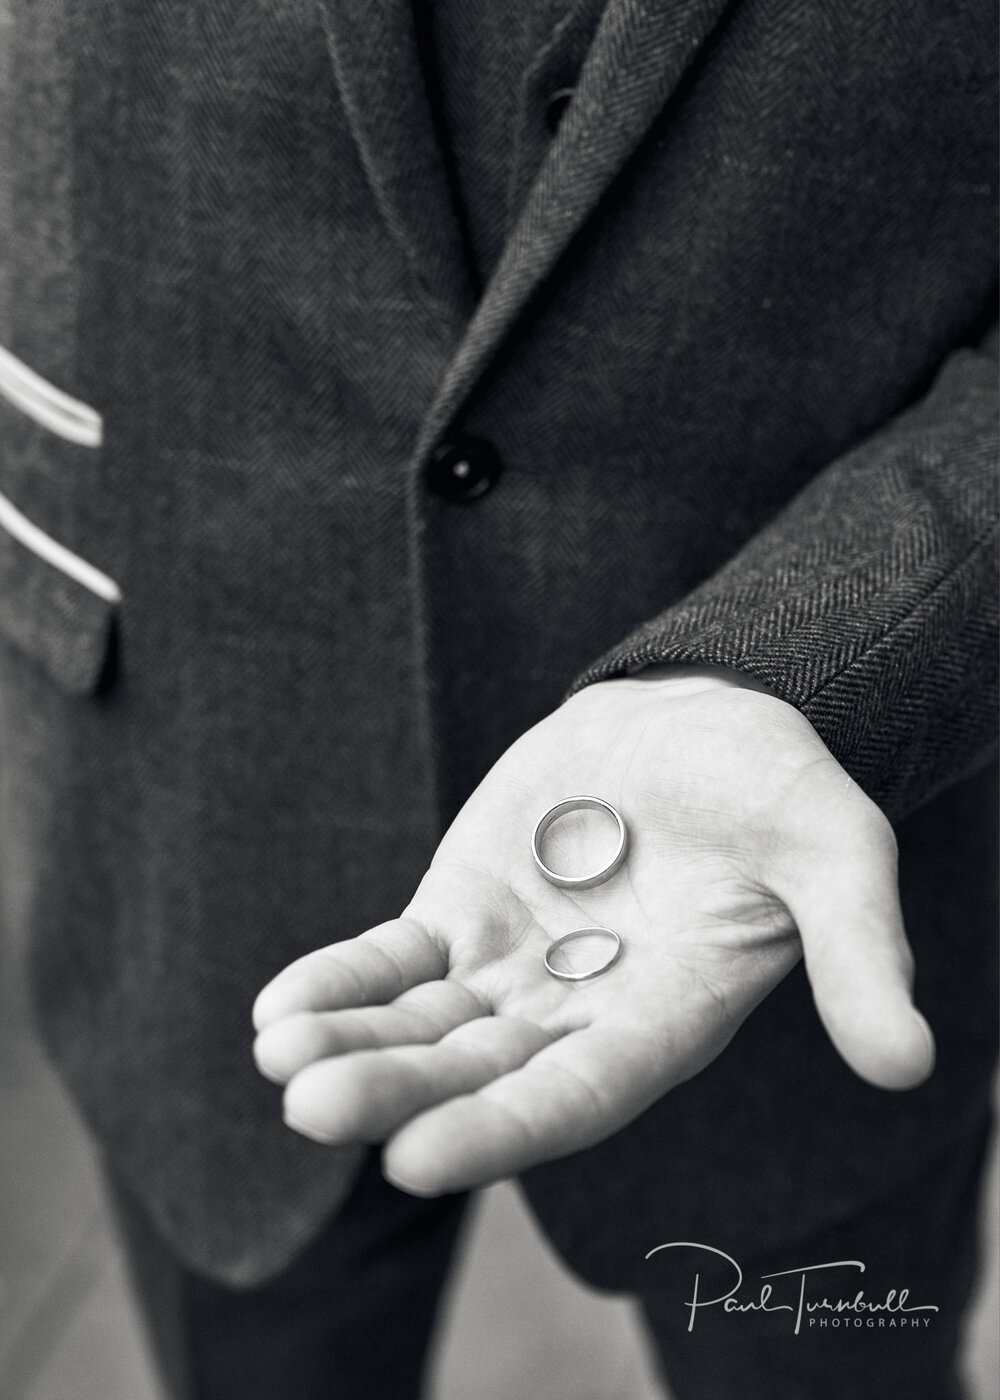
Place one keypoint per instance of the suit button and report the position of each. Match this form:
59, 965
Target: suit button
556, 106
462, 468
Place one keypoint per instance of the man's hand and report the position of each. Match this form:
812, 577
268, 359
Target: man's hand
442, 1034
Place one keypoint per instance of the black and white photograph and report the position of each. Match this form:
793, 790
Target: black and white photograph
498, 700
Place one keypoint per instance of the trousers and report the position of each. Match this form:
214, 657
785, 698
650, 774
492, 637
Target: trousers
352, 1317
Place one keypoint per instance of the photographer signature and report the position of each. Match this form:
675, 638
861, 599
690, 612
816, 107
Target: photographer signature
893, 1310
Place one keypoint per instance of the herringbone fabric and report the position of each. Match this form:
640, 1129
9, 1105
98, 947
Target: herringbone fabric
727, 355
854, 604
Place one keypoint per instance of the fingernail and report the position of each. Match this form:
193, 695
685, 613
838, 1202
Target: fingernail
308, 1130
409, 1187
266, 1073
403, 1184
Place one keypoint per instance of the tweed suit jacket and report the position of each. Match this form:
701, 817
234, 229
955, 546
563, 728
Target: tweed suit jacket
731, 357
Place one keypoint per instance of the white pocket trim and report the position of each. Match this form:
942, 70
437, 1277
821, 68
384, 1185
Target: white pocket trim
56, 554
66, 417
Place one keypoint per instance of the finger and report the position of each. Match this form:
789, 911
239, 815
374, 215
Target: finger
365, 1096
859, 962
376, 967
422, 1015
572, 1094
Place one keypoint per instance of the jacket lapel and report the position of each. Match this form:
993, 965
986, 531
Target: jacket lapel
380, 74
639, 55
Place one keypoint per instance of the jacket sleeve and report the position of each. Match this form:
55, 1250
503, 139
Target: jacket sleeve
870, 602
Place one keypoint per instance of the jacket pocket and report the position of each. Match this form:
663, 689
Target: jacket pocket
55, 606
34, 396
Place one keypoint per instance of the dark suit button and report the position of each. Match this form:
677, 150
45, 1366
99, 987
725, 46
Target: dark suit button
556, 106
462, 468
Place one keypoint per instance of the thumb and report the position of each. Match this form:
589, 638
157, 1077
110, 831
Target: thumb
858, 960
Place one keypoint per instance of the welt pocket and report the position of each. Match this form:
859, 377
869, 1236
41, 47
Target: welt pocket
50, 407
56, 607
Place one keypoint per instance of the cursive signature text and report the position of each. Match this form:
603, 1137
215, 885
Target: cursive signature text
798, 1295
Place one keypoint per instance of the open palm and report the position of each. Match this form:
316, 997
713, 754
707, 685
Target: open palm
442, 1033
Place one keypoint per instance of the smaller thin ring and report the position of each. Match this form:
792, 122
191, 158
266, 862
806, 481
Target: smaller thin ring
616, 953
594, 877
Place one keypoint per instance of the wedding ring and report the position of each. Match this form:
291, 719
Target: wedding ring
610, 960
594, 877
